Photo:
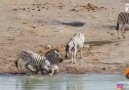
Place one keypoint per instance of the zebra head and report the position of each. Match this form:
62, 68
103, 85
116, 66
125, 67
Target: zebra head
54, 56
68, 51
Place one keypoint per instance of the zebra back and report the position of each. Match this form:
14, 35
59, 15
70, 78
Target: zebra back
78, 38
123, 17
31, 57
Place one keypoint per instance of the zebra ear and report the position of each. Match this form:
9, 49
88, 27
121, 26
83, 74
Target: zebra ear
57, 50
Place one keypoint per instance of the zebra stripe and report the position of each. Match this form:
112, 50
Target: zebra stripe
34, 59
123, 19
74, 45
78, 38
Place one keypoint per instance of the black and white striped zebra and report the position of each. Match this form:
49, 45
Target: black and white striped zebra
122, 20
40, 63
35, 60
75, 44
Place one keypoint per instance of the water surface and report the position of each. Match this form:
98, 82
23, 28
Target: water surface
63, 82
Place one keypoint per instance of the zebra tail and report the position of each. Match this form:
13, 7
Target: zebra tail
16, 63
117, 27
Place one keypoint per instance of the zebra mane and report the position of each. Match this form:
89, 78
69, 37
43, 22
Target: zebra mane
51, 51
67, 46
72, 38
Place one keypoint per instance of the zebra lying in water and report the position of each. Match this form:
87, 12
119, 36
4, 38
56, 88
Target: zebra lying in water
122, 20
75, 44
39, 63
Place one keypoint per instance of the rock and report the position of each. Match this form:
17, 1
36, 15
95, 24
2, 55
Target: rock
14, 9
114, 53
38, 9
103, 68
23, 9
95, 17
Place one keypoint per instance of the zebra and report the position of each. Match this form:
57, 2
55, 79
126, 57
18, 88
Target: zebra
122, 19
35, 60
75, 44
40, 63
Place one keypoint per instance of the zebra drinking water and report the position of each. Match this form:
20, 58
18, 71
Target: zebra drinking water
122, 20
75, 44
40, 63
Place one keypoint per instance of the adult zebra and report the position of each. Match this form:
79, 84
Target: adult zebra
40, 63
75, 44
122, 20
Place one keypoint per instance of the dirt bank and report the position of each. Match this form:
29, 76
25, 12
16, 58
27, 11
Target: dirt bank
34, 24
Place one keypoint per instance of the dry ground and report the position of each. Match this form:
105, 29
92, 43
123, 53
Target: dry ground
34, 24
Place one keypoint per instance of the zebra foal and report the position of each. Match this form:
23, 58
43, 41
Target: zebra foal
75, 44
122, 20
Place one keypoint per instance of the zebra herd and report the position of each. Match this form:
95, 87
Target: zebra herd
48, 63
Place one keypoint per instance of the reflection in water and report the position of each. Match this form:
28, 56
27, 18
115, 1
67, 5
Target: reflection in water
61, 82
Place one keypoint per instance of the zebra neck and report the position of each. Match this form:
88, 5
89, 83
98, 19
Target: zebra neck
72, 44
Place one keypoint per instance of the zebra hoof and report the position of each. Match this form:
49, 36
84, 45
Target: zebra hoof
74, 62
71, 61
81, 58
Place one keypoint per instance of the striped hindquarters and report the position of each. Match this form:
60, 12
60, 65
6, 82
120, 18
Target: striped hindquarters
123, 17
32, 58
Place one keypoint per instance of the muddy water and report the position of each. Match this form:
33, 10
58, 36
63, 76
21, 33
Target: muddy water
63, 82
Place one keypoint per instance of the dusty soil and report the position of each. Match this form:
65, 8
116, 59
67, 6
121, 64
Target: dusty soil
34, 24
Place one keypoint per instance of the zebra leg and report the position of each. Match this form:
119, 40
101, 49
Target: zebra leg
45, 69
75, 53
37, 70
119, 30
52, 72
119, 33
72, 57
26, 66
81, 54
122, 30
